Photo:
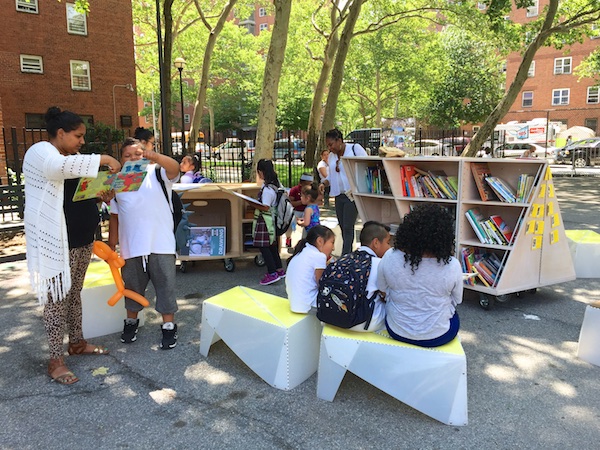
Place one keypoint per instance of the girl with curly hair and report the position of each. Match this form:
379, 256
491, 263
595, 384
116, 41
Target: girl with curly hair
422, 280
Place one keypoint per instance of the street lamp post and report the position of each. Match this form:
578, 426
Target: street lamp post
180, 64
128, 86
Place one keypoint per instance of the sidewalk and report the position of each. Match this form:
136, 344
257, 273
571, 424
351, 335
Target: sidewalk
527, 389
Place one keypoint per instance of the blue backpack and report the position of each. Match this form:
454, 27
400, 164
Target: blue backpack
342, 298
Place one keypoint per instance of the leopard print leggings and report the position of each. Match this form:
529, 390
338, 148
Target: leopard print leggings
68, 312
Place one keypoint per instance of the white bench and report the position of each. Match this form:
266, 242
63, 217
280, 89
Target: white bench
585, 252
431, 380
589, 337
99, 319
280, 346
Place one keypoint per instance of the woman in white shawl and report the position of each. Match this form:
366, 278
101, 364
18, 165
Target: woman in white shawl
46, 165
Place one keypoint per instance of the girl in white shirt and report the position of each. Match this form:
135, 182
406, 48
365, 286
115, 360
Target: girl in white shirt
306, 266
422, 280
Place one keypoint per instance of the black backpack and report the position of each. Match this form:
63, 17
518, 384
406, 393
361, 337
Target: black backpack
342, 298
175, 203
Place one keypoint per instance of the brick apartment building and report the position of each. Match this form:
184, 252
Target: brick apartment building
52, 55
552, 90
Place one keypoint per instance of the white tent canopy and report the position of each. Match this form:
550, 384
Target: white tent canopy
577, 132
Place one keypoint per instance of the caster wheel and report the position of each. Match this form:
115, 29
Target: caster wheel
183, 267
486, 302
518, 294
259, 261
229, 265
503, 298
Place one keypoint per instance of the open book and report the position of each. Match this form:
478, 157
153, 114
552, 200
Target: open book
129, 179
242, 196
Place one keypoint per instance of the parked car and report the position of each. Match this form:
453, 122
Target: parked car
369, 138
516, 150
295, 146
432, 147
457, 142
585, 152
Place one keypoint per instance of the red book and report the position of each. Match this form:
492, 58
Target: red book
504, 229
403, 182
409, 173
480, 172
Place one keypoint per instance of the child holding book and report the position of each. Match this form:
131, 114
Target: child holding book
305, 268
422, 280
312, 215
263, 227
142, 223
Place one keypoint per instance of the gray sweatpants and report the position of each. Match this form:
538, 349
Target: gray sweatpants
160, 269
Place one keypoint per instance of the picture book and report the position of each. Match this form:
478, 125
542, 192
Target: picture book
242, 196
206, 241
129, 179
480, 172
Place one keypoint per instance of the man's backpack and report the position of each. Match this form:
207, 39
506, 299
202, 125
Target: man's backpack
175, 203
283, 212
342, 298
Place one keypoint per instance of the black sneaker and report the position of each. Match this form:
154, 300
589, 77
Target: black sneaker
130, 330
169, 339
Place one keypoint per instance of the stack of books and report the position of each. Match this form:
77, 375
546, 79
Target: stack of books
502, 189
431, 184
489, 230
524, 188
486, 265
481, 171
376, 180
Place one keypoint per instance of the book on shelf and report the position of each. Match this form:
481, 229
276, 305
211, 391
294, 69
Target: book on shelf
502, 189
431, 184
206, 241
489, 230
524, 187
504, 229
474, 217
376, 180
487, 265
129, 179
480, 172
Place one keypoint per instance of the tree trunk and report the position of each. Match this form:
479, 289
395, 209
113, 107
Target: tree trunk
338, 66
513, 91
314, 119
201, 96
166, 69
265, 134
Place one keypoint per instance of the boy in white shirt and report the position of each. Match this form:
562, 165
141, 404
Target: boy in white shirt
375, 240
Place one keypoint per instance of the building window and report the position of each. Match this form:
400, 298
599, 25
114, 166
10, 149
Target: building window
186, 118
264, 26
592, 94
76, 21
262, 12
592, 124
531, 71
532, 11
28, 6
34, 121
527, 99
560, 97
562, 65
80, 76
32, 64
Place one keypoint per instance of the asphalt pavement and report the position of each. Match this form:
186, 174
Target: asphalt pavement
526, 387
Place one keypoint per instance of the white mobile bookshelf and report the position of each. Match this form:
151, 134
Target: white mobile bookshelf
538, 254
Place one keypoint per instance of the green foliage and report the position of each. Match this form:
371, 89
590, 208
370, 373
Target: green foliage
102, 138
469, 86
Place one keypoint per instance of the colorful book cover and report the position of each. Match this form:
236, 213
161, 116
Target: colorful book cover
409, 174
480, 172
501, 224
474, 218
207, 241
129, 179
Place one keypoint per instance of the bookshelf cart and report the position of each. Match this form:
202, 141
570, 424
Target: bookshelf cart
536, 255
212, 207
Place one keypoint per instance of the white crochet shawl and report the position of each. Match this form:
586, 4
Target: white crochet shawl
45, 170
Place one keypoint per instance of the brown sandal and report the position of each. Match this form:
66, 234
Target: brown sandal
81, 348
61, 373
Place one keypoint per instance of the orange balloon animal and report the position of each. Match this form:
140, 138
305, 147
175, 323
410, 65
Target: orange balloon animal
115, 262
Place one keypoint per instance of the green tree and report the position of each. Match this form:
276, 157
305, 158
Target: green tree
470, 85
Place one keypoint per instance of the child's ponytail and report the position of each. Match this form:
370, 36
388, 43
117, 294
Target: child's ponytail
311, 238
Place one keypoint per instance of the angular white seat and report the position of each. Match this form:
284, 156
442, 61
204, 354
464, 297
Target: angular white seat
431, 380
585, 252
98, 318
589, 337
280, 346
